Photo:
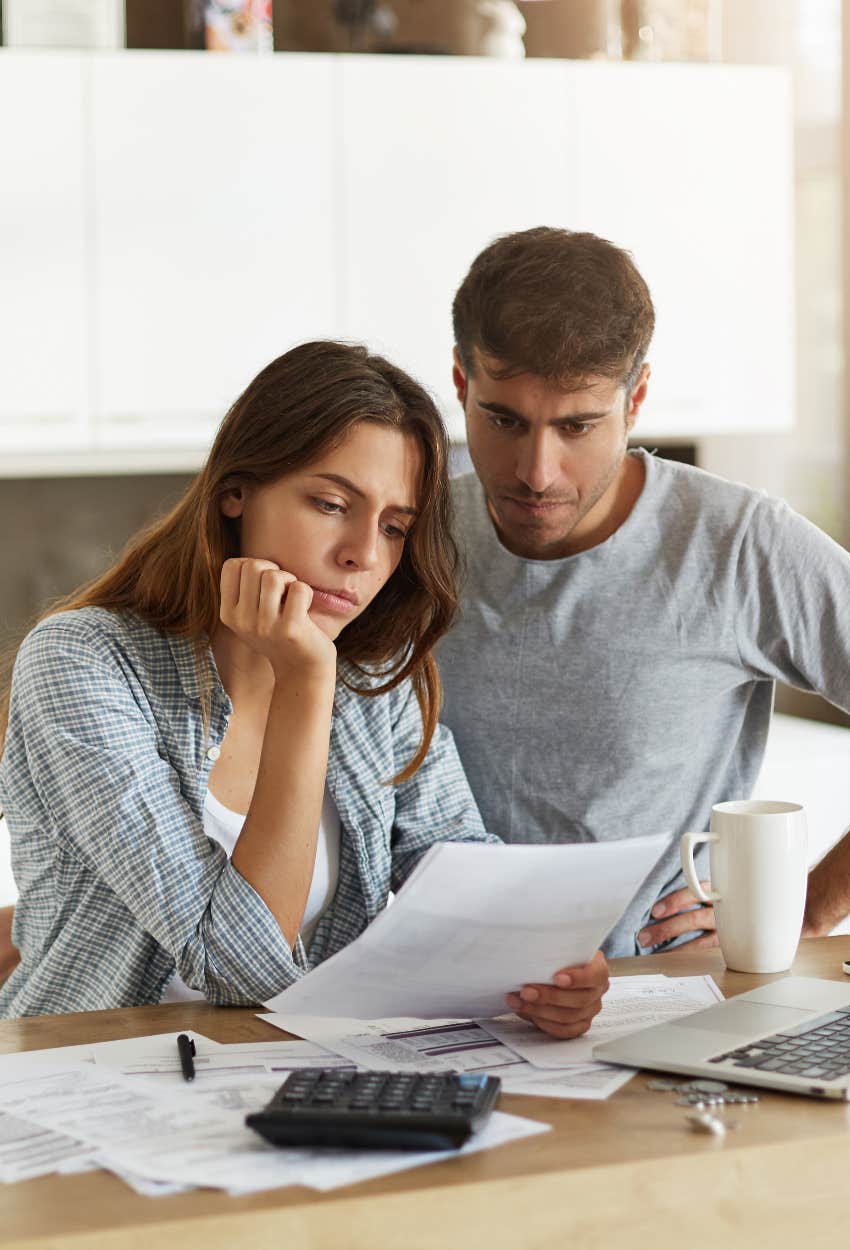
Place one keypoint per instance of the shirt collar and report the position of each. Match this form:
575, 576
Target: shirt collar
186, 653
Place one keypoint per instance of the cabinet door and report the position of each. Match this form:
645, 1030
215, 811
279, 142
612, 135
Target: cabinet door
438, 157
43, 308
214, 242
690, 169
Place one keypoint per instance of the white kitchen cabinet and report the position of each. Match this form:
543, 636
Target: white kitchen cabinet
214, 245
690, 168
169, 222
439, 155
44, 306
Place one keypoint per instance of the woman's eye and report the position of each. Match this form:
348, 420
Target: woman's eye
327, 505
395, 531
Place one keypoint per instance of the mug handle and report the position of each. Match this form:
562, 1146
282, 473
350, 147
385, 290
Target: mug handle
687, 844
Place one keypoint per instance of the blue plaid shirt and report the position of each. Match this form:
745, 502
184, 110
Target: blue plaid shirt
103, 780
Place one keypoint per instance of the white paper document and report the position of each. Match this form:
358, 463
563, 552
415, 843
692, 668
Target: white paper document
141, 1184
245, 1076
472, 923
28, 1150
239, 1077
456, 1046
632, 1003
287, 1056
404, 1045
155, 1053
350, 1166
596, 1081
159, 1145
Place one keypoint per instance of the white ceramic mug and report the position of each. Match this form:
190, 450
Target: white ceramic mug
758, 858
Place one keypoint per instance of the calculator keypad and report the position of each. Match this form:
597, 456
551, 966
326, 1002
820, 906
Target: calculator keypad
332, 1106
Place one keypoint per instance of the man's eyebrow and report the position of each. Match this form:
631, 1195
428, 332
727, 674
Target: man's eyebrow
355, 490
502, 410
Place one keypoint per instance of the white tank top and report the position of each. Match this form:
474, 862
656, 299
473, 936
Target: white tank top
225, 826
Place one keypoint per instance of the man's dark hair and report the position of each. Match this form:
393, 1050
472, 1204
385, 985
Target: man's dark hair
556, 303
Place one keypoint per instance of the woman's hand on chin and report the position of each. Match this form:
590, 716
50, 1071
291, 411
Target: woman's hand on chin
566, 1007
268, 610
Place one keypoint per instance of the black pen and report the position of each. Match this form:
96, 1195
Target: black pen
186, 1051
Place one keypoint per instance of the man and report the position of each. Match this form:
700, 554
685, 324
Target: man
624, 618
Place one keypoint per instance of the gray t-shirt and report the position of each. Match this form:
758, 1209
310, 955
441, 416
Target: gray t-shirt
625, 690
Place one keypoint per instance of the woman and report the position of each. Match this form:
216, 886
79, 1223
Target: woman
223, 754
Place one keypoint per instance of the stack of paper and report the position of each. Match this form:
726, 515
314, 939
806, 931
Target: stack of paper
124, 1105
526, 1060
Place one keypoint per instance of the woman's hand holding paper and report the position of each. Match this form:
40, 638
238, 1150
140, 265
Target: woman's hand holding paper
566, 1007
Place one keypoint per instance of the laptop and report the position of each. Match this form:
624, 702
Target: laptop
792, 1035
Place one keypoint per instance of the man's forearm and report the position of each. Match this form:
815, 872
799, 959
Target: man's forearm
828, 893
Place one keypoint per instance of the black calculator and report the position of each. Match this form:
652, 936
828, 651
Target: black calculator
380, 1110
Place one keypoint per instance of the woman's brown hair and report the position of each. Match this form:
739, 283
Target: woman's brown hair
303, 403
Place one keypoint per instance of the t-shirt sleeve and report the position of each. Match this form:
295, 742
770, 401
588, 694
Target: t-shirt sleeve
95, 759
792, 603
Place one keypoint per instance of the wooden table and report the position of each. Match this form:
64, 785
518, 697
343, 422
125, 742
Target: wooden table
626, 1172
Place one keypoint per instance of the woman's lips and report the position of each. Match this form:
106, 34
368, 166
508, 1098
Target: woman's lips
343, 602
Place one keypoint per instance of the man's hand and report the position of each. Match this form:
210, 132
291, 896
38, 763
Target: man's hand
828, 893
566, 1007
683, 913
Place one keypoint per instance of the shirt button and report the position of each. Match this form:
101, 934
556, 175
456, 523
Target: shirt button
213, 753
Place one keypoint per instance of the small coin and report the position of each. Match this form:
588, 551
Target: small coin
707, 1123
709, 1087
690, 1101
662, 1086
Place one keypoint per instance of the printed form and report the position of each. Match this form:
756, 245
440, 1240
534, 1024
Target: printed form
159, 1144
474, 922
631, 1004
526, 1060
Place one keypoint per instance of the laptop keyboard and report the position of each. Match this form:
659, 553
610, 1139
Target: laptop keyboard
819, 1048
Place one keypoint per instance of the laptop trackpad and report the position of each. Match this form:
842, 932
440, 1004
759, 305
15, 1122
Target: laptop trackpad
747, 1019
